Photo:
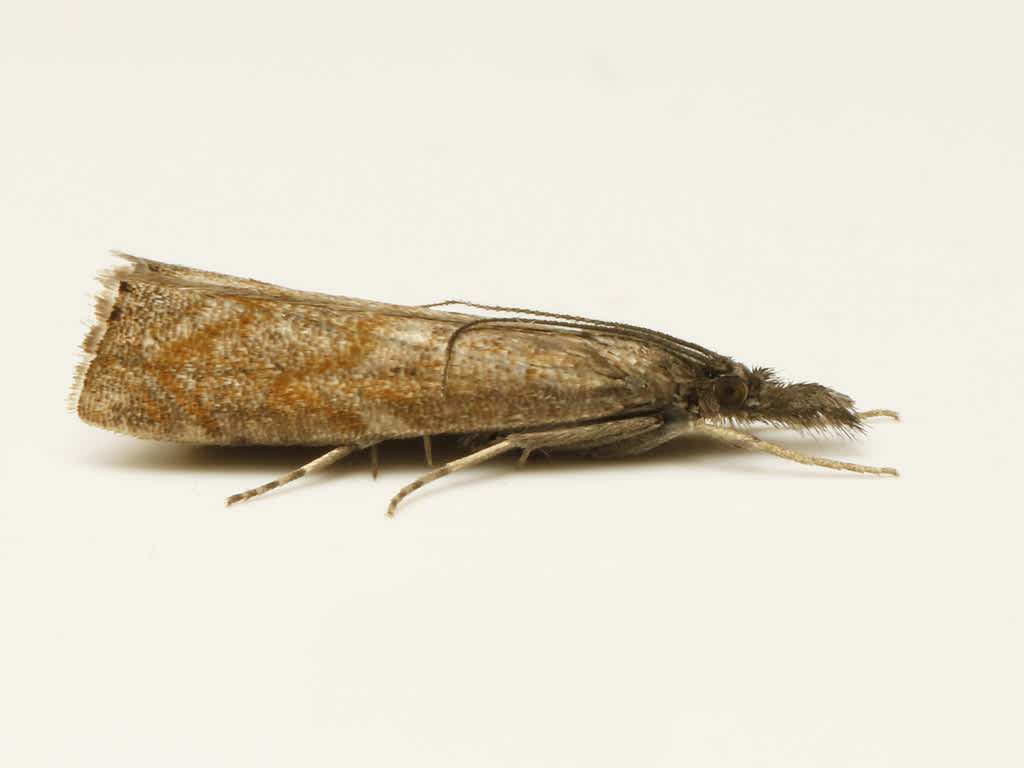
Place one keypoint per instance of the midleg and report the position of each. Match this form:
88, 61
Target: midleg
582, 437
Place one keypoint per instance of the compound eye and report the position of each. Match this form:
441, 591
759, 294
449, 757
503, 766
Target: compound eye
731, 391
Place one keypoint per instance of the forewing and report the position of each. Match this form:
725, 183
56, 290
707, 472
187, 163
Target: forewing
198, 357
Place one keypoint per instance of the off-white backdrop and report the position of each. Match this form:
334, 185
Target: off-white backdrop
829, 188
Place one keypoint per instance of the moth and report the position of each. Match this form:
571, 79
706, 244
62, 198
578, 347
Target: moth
198, 357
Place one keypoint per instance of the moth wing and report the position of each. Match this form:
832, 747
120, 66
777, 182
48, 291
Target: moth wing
192, 356
147, 270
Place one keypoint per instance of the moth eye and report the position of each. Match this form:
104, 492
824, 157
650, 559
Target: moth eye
731, 391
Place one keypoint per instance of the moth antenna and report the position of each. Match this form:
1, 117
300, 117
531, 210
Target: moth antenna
553, 323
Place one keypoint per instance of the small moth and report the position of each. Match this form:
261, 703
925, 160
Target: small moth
197, 357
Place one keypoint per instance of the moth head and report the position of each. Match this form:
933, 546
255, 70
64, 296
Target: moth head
742, 395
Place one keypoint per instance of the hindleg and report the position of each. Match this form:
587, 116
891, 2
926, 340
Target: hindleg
319, 462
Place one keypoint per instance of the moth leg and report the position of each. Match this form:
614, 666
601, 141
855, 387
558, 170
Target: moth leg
743, 440
478, 457
318, 463
894, 415
569, 438
374, 459
428, 450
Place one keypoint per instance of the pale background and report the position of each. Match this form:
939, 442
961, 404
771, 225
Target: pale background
830, 188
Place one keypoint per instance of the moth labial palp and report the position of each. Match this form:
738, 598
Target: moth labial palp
199, 357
